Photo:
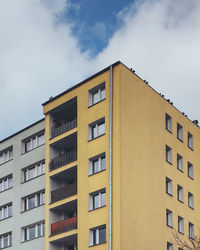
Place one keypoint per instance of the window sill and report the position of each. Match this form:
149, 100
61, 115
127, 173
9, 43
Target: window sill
169, 194
181, 232
6, 218
5, 162
191, 207
33, 149
96, 172
98, 244
96, 137
169, 130
170, 226
6, 190
6, 247
32, 178
180, 201
191, 148
191, 177
169, 162
91, 105
31, 208
96, 208
32, 239
181, 140
181, 170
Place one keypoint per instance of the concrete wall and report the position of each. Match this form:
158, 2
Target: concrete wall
21, 219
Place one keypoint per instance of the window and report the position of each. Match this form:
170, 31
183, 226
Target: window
34, 142
33, 231
168, 122
6, 155
179, 193
180, 162
97, 199
33, 171
33, 201
190, 170
6, 183
168, 186
180, 225
97, 164
97, 94
168, 154
5, 211
169, 246
190, 200
169, 218
179, 132
5, 240
97, 129
191, 230
190, 140
98, 235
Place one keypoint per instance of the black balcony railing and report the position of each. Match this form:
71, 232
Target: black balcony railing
63, 159
64, 127
64, 192
64, 225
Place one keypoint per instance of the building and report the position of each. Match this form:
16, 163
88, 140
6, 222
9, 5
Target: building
22, 189
123, 166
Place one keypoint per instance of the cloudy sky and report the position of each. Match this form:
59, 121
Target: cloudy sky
46, 46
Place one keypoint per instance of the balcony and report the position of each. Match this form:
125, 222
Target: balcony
63, 159
63, 127
64, 225
68, 243
63, 152
63, 118
63, 184
64, 192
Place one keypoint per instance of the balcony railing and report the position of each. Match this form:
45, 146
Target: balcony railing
64, 225
62, 160
64, 192
64, 127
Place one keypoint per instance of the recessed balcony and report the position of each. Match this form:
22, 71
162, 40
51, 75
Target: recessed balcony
64, 225
67, 243
63, 152
63, 218
64, 184
63, 118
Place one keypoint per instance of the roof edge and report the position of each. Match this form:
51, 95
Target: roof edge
82, 82
20, 131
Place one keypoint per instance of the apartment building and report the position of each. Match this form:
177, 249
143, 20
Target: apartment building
22, 189
123, 166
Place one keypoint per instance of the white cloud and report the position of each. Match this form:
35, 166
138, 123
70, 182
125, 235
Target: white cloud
161, 41
40, 57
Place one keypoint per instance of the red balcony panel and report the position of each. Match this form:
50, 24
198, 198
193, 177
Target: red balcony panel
64, 225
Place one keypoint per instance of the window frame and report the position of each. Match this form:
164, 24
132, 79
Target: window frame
169, 218
39, 200
180, 194
101, 195
168, 122
179, 162
4, 211
180, 224
190, 200
34, 142
169, 246
168, 154
100, 90
6, 183
190, 141
190, 168
3, 155
169, 186
2, 241
94, 235
101, 164
26, 171
191, 230
179, 132
35, 226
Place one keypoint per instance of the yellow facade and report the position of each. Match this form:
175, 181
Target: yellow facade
139, 166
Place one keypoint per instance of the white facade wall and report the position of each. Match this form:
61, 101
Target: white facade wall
19, 217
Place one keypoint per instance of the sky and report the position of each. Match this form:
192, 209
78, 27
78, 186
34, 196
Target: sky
47, 46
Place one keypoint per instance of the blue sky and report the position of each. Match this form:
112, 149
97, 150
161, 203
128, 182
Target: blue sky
94, 21
47, 46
